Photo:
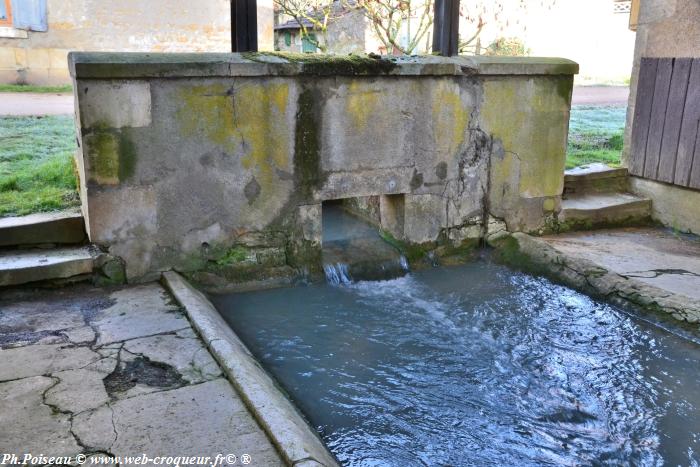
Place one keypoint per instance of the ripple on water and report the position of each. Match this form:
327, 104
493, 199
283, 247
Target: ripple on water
476, 365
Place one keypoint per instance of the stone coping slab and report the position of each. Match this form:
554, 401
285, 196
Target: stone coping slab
136, 65
594, 277
297, 442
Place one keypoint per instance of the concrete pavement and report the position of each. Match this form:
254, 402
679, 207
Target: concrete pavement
93, 372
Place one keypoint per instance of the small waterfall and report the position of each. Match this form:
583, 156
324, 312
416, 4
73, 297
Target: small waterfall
404, 263
337, 274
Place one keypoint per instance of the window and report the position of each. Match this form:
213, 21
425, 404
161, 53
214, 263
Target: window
308, 45
5, 13
287, 38
622, 6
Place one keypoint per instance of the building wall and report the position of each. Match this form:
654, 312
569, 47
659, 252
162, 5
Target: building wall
124, 25
588, 32
241, 152
666, 28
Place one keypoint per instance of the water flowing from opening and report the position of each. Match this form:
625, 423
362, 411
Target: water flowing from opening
353, 250
476, 365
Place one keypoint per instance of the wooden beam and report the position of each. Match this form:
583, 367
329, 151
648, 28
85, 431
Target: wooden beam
446, 27
244, 26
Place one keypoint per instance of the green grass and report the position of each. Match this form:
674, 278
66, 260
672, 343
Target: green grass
36, 164
32, 88
595, 135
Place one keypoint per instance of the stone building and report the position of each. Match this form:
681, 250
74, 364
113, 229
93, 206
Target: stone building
663, 116
36, 35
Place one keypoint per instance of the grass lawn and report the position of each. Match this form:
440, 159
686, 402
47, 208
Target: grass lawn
32, 88
36, 164
595, 135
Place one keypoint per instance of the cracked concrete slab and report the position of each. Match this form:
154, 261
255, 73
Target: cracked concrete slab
120, 370
36, 360
138, 312
28, 425
657, 257
77, 391
202, 419
94, 428
186, 354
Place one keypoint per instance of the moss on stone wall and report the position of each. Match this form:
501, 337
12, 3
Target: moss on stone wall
307, 151
331, 65
111, 155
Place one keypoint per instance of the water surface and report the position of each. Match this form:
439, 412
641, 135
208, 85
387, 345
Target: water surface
476, 365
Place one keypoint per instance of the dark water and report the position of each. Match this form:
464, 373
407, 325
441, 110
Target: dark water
476, 365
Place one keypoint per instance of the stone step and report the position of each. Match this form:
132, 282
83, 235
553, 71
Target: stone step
44, 228
595, 178
24, 266
605, 210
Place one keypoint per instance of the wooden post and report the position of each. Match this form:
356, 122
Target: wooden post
244, 26
446, 27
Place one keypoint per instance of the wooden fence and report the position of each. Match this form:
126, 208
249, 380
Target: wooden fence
665, 132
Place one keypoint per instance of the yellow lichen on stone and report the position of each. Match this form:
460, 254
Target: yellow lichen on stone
261, 127
533, 128
450, 118
208, 110
362, 104
247, 119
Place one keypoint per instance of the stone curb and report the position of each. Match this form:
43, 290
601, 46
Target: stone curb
296, 441
594, 279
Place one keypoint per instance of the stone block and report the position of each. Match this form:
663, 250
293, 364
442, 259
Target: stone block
115, 104
38, 58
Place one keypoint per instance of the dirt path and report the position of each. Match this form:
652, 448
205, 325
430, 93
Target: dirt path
29, 103
601, 95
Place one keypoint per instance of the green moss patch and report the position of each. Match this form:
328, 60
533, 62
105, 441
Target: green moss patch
330, 65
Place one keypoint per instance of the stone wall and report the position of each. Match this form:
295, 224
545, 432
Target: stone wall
194, 161
127, 25
666, 28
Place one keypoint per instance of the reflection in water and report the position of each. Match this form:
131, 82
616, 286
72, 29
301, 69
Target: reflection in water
476, 365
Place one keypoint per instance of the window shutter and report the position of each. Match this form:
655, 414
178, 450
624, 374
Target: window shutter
29, 14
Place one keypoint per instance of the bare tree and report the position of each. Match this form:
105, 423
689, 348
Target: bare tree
480, 13
313, 18
399, 24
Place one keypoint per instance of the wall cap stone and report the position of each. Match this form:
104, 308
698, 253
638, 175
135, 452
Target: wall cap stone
134, 65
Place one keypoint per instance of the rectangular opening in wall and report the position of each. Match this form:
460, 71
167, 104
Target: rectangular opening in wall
353, 247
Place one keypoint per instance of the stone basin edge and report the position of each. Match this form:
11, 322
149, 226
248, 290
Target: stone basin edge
290, 433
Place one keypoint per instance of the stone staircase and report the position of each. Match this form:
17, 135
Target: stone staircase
597, 196
45, 247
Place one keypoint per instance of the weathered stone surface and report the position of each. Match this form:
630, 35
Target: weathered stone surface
28, 425
186, 354
59, 227
21, 267
595, 178
125, 397
138, 312
605, 208
276, 414
78, 390
205, 419
595, 272
132, 97
94, 428
674, 206
258, 147
37, 360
